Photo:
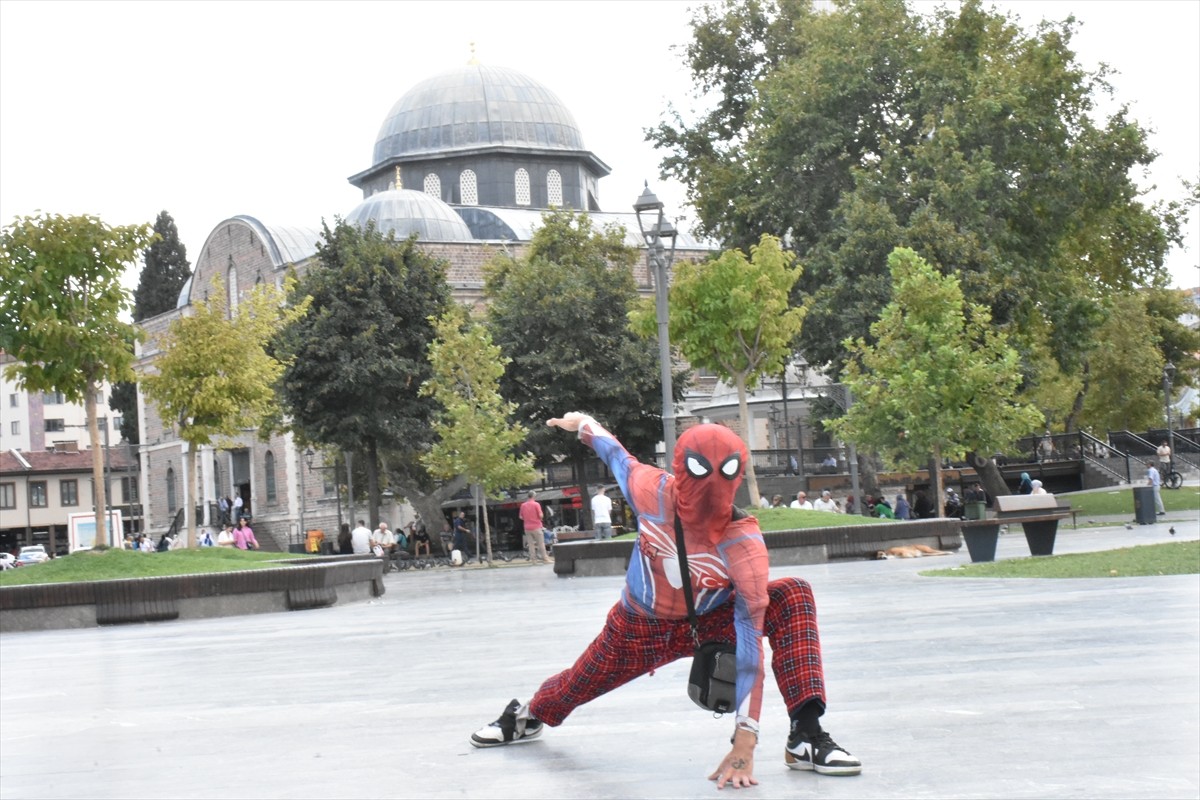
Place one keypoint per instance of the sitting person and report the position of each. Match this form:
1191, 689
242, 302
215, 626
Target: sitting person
825, 502
420, 536
801, 502
954, 505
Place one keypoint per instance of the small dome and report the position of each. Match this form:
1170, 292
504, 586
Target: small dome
407, 212
476, 106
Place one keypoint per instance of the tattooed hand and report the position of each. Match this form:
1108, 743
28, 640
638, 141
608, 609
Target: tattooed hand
737, 768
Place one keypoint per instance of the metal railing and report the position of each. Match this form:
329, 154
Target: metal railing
176, 524
1105, 457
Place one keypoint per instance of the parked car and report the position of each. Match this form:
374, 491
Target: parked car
33, 554
7, 561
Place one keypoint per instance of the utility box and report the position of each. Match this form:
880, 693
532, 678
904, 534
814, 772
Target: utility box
1144, 511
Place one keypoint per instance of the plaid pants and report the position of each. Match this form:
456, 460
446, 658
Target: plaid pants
631, 645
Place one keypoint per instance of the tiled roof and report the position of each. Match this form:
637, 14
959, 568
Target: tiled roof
48, 461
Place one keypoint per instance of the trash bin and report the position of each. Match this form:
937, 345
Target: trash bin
1144, 511
975, 510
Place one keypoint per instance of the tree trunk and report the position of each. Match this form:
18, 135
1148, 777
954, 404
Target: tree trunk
430, 507
989, 474
1077, 405
190, 494
935, 472
868, 474
585, 496
373, 499
744, 415
89, 404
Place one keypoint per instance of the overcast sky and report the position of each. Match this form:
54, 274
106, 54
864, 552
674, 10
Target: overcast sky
212, 109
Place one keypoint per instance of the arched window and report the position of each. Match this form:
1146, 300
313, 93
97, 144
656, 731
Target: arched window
269, 466
231, 284
522, 187
433, 185
468, 188
553, 188
172, 501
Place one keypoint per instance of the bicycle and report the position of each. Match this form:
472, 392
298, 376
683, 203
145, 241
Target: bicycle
1173, 479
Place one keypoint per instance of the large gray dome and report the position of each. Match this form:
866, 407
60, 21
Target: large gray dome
407, 212
475, 107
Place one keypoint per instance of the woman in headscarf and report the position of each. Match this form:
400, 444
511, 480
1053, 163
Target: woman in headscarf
1026, 486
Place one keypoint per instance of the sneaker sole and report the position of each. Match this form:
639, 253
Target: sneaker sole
801, 765
492, 743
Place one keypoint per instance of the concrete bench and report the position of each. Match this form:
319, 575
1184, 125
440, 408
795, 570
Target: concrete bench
1039, 515
784, 548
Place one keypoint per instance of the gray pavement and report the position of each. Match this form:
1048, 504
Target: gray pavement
944, 687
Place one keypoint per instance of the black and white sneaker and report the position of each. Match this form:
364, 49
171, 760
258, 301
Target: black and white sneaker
511, 727
819, 752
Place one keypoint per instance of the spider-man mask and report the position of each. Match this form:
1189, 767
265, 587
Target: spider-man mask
708, 465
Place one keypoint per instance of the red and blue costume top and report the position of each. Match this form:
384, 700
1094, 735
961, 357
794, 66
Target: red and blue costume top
726, 557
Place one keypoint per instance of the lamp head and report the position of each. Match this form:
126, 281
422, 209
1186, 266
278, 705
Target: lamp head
308, 457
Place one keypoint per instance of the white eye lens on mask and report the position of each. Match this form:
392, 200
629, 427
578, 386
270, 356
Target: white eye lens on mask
697, 466
731, 467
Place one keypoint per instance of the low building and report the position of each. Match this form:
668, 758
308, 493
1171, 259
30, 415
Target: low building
40, 490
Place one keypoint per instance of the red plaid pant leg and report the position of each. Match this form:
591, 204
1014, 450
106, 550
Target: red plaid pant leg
629, 646
790, 626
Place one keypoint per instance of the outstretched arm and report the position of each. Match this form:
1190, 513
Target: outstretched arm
568, 422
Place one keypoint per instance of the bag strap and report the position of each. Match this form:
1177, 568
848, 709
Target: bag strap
687, 581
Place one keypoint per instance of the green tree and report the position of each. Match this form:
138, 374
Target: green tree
215, 376
474, 436
1126, 373
938, 381
165, 272
559, 313
730, 315
61, 303
357, 360
957, 134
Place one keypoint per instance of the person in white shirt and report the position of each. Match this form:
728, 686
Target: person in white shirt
1164, 458
825, 503
360, 539
1037, 487
801, 501
602, 514
384, 539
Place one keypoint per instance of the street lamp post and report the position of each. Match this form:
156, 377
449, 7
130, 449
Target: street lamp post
337, 488
655, 228
1168, 377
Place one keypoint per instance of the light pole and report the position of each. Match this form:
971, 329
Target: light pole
655, 227
337, 488
1168, 377
300, 470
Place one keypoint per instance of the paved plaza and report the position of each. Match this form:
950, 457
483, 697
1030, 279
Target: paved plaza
944, 688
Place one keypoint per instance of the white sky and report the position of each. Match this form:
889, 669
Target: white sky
212, 109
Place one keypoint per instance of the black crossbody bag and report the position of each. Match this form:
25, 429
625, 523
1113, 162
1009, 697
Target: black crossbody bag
712, 684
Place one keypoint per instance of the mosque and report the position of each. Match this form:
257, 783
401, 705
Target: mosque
467, 160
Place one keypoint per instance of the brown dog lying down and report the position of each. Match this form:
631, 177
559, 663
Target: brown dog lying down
910, 551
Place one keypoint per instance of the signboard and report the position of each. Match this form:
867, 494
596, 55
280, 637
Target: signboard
81, 530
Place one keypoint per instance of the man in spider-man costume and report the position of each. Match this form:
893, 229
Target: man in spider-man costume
735, 602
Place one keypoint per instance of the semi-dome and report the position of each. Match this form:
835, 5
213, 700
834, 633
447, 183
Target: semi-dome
407, 212
476, 107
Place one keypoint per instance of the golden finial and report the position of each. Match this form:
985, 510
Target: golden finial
472, 61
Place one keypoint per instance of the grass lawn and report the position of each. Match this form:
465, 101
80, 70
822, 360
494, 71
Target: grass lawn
792, 519
1171, 558
103, 565
1120, 501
